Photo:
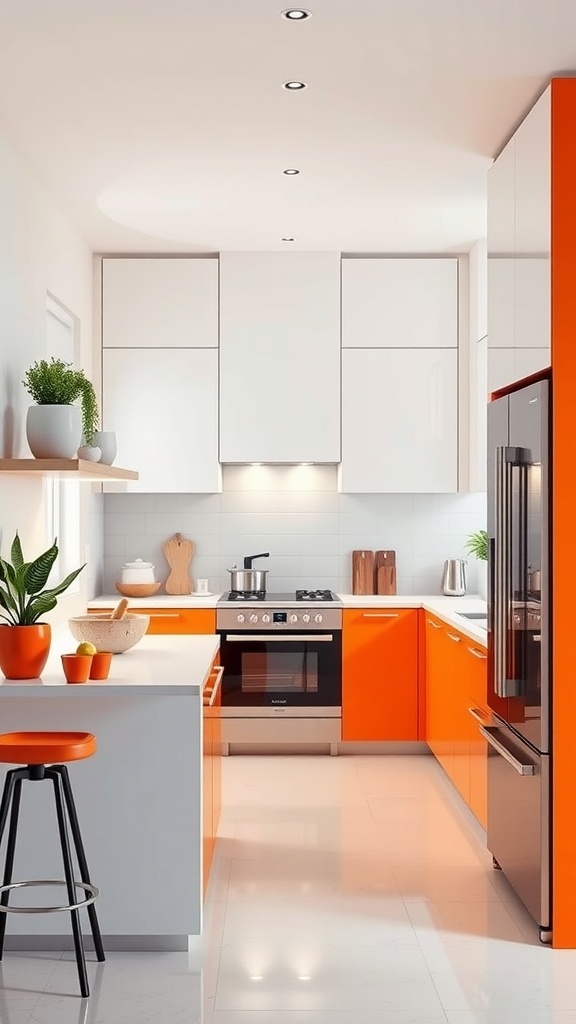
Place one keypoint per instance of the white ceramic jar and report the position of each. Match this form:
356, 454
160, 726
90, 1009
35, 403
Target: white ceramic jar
138, 571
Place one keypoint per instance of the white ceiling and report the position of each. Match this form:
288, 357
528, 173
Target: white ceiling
161, 125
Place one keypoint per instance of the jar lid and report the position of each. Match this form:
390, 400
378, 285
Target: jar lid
139, 563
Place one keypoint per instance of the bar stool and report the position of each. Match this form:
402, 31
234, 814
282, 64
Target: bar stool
39, 751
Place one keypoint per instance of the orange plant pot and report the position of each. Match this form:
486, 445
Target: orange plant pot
76, 667
100, 667
24, 650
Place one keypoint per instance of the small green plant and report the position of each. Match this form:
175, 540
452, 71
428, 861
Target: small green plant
477, 545
22, 596
58, 383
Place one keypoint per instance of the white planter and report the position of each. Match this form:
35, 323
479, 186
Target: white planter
89, 452
54, 431
482, 578
106, 441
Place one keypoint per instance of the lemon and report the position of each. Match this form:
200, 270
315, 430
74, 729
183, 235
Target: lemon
85, 648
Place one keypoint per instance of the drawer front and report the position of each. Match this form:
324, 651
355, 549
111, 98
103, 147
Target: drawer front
174, 620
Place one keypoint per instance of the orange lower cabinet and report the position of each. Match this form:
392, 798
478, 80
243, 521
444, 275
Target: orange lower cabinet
380, 674
173, 621
479, 715
479, 765
439, 731
456, 696
207, 786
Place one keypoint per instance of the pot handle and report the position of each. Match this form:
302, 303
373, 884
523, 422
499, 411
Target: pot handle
250, 558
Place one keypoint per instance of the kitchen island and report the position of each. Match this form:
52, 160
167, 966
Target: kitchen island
139, 799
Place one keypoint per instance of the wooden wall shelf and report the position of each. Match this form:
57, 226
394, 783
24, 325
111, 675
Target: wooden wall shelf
79, 469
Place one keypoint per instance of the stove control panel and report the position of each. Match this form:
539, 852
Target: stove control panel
277, 620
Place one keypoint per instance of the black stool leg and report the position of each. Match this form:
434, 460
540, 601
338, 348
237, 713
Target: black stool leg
82, 862
69, 875
10, 851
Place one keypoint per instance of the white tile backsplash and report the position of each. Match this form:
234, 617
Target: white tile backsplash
297, 514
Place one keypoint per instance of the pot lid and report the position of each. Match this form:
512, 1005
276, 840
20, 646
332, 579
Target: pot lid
138, 563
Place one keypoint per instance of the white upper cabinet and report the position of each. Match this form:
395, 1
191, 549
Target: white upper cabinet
160, 303
519, 227
400, 303
399, 421
279, 357
163, 405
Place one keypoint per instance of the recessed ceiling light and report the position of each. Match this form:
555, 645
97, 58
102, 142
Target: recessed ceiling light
291, 170
287, 238
296, 14
295, 86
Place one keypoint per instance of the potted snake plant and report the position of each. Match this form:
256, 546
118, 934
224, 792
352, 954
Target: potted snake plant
24, 600
55, 426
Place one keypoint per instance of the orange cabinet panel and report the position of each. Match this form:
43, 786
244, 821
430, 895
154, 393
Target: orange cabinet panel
479, 765
380, 674
439, 707
174, 620
456, 695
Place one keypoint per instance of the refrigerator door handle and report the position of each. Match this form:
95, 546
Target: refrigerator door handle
488, 732
502, 567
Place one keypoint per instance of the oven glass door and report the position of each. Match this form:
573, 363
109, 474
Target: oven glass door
292, 669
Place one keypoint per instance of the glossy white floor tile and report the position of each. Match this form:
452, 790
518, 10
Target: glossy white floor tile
351, 890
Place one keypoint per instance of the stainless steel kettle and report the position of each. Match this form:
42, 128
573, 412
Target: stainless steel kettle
454, 577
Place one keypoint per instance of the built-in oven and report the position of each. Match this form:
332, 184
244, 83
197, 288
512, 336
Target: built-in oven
282, 672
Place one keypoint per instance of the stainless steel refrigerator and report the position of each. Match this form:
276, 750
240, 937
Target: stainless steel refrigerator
519, 664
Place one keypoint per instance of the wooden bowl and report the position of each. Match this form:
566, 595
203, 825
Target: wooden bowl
138, 589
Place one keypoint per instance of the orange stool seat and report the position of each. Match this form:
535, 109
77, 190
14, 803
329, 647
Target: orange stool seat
45, 747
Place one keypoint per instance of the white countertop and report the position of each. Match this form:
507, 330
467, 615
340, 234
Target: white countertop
162, 665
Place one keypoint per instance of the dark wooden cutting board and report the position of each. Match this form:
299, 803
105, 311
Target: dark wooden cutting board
362, 572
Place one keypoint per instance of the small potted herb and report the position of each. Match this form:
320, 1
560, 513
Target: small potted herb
54, 426
24, 640
477, 545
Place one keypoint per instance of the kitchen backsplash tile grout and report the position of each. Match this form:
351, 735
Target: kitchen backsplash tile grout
310, 533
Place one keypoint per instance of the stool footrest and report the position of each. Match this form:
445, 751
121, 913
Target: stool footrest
92, 891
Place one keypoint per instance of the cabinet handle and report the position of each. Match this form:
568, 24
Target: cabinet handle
433, 624
478, 715
456, 639
379, 615
165, 615
209, 696
477, 654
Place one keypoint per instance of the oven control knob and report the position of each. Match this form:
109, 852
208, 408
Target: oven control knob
240, 618
318, 618
305, 617
253, 618
293, 618
265, 618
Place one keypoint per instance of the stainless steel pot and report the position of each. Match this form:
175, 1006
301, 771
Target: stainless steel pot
249, 579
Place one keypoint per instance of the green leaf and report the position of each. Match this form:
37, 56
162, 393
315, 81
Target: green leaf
8, 573
37, 607
7, 601
16, 553
38, 571
55, 591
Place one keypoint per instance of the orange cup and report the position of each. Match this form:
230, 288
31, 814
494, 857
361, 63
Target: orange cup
76, 667
100, 667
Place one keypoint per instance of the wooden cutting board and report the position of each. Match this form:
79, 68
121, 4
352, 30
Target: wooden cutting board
385, 570
178, 553
362, 572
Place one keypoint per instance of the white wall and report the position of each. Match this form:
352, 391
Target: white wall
40, 252
295, 513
